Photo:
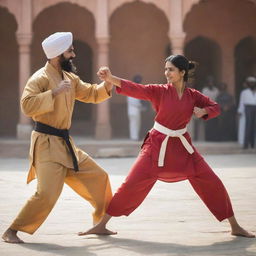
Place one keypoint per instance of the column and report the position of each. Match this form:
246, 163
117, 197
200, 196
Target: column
177, 38
103, 127
24, 126
176, 32
24, 38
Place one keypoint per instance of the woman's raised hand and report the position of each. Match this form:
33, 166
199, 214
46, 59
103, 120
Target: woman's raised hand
104, 74
199, 112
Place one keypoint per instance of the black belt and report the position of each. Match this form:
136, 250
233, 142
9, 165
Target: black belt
43, 128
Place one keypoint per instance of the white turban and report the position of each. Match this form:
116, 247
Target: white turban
57, 43
250, 79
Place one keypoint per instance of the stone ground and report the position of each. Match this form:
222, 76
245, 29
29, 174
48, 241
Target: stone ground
171, 221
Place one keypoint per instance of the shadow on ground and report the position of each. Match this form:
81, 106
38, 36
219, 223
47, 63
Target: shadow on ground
238, 245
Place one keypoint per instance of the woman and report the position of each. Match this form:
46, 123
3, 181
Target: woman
167, 153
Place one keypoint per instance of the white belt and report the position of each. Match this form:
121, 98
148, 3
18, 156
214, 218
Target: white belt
170, 133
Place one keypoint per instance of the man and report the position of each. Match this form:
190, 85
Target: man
210, 89
247, 113
49, 98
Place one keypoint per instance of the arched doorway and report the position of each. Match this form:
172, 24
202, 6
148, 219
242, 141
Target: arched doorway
78, 20
83, 118
245, 62
136, 47
9, 81
207, 54
217, 20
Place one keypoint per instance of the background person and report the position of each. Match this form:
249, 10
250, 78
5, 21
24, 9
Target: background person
247, 114
134, 108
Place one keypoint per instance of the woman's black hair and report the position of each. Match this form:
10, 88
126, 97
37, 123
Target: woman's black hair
182, 63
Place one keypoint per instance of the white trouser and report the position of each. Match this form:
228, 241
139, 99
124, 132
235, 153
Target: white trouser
134, 126
241, 129
170, 133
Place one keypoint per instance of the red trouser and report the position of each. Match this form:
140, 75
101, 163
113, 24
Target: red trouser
142, 177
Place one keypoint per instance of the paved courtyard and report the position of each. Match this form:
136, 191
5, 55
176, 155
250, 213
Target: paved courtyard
171, 221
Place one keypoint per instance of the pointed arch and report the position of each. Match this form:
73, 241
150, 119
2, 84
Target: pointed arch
136, 47
70, 17
73, 18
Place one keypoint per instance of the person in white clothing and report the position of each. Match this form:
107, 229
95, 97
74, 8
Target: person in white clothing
247, 114
241, 118
134, 108
211, 91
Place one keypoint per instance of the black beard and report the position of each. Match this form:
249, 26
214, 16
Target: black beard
67, 64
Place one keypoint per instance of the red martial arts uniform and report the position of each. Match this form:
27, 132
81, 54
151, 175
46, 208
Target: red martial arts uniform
172, 113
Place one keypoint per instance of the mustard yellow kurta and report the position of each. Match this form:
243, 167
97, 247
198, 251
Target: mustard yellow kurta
37, 102
50, 159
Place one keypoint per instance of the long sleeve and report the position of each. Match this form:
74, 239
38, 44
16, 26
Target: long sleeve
35, 100
150, 92
212, 108
91, 93
139, 91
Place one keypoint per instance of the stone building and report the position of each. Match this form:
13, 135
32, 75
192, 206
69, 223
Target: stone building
132, 37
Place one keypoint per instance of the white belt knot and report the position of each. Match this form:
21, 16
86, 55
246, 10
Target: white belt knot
170, 133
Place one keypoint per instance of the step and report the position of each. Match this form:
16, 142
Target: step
13, 148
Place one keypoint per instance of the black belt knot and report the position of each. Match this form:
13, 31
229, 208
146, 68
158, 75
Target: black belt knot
63, 133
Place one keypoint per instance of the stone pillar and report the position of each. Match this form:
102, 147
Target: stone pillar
177, 38
176, 32
177, 45
103, 127
24, 126
24, 37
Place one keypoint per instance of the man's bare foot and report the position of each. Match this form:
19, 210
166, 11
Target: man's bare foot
97, 230
10, 236
239, 231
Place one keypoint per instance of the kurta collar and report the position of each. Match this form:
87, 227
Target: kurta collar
53, 71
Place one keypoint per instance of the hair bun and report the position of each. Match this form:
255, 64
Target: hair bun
192, 65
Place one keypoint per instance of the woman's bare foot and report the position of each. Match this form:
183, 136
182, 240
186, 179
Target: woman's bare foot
98, 230
10, 236
239, 231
